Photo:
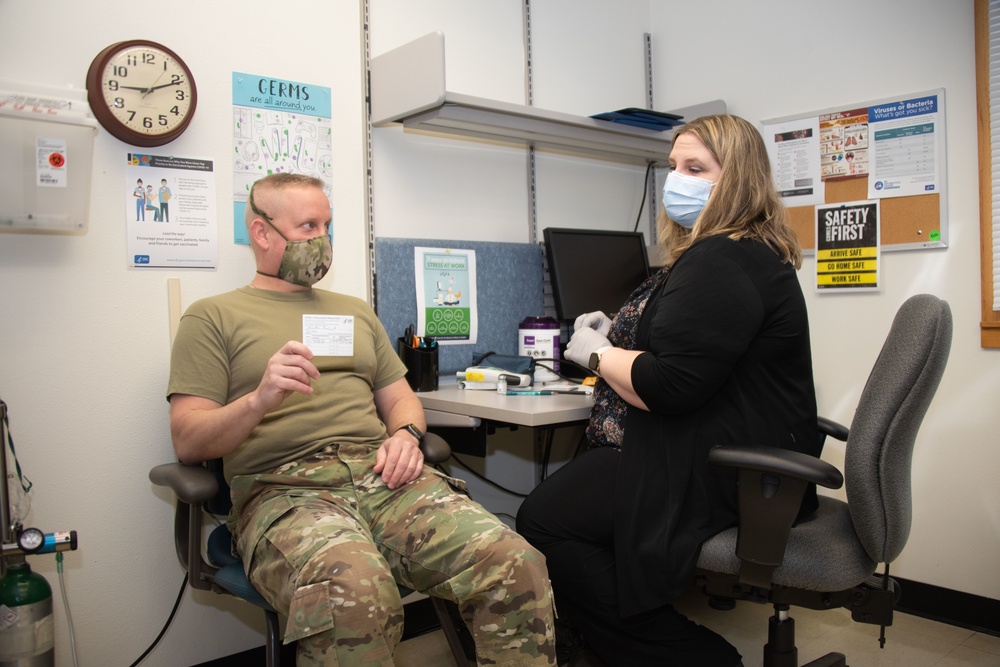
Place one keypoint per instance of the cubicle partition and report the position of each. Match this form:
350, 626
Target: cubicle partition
509, 283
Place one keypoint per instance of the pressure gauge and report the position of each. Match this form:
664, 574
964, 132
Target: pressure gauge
31, 540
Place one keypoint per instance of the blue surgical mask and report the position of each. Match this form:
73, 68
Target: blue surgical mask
684, 197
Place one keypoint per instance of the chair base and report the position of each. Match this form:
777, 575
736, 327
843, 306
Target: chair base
780, 650
829, 660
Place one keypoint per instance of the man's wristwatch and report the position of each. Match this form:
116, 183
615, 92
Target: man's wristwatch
414, 431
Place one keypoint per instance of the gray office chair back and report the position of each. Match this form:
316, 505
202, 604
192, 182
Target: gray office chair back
892, 406
830, 560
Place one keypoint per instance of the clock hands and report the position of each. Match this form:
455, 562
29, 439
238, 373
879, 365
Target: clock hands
150, 89
152, 86
164, 85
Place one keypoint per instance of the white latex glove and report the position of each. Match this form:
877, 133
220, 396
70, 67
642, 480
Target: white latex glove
596, 320
583, 343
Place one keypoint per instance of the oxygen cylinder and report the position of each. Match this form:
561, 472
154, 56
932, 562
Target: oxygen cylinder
27, 636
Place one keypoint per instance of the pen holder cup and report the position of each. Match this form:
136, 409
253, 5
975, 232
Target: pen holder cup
421, 366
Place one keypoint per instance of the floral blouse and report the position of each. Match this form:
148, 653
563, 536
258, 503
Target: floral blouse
607, 419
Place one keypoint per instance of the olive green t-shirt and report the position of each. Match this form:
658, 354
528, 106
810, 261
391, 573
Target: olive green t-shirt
221, 350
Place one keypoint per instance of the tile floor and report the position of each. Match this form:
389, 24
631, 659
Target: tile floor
910, 642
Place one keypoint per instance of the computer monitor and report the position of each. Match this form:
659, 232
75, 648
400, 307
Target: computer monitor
593, 269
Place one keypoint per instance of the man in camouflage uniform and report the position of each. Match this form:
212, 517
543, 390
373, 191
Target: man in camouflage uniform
332, 504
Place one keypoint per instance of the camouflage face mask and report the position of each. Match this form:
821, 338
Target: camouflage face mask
303, 262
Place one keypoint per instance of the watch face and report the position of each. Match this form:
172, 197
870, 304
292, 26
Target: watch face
141, 92
414, 431
595, 361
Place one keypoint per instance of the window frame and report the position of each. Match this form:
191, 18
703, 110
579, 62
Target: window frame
990, 323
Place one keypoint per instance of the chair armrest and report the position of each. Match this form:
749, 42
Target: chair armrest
771, 485
192, 484
780, 462
435, 448
832, 428
195, 484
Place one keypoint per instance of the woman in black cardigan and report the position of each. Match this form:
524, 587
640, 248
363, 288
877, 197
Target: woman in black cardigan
712, 350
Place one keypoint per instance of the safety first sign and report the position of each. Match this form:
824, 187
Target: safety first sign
847, 246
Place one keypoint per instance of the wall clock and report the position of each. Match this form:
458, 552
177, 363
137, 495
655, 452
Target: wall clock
141, 92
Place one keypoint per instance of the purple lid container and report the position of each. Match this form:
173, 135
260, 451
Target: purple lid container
532, 322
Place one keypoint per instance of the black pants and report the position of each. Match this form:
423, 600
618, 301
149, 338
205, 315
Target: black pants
569, 519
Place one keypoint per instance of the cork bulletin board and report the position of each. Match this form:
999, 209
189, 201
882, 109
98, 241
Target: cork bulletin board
900, 161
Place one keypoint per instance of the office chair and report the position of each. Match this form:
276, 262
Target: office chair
202, 488
830, 560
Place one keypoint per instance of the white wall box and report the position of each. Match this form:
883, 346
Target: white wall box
46, 156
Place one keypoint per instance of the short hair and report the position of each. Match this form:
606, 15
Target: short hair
273, 183
744, 202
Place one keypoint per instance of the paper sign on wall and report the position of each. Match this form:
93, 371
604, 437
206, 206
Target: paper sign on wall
446, 294
847, 246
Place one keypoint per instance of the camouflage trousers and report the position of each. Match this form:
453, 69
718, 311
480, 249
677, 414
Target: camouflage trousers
324, 540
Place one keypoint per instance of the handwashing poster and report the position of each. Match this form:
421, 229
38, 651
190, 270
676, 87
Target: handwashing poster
278, 126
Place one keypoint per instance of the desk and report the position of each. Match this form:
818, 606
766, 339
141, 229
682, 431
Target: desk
450, 406
451, 401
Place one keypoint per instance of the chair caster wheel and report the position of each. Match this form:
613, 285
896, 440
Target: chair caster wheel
722, 604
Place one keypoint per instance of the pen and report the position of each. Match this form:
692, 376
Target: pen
540, 392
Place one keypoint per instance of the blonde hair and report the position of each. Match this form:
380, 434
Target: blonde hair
744, 202
274, 183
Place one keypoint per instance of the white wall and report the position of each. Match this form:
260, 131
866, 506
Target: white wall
587, 58
84, 340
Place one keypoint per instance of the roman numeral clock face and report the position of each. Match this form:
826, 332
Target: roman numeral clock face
141, 92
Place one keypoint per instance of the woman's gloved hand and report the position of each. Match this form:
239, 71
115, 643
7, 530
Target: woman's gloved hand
584, 342
597, 321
